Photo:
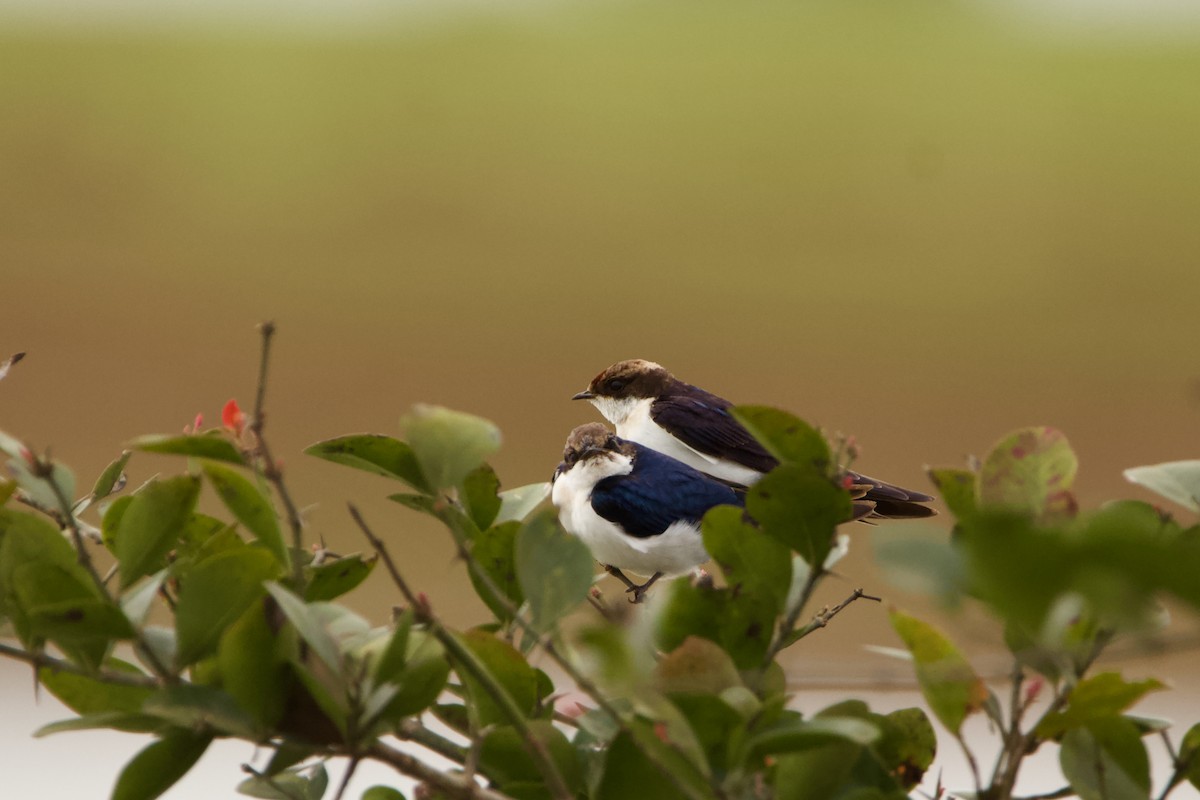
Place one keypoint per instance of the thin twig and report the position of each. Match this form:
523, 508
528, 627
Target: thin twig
1011, 733
44, 469
414, 731
40, 659
268, 466
350, 768
1180, 767
471, 665
822, 619
789, 623
972, 763
448, 783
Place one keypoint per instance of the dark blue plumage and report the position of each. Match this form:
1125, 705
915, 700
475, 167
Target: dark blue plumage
658, 492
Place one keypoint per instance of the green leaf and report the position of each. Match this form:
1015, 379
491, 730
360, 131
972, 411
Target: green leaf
111, 521
86, 695
39, 489
202, 538
253, 671
1030, 471
217, 591
309, 625
38, 574
382, 793
426, 669
110, 476
957, 488
381, 455
288, 754
516, 504
494, 550
698, 666
156, 768
334, 578
750, 560
449, 444
801, 508
715, 723
479, 494
125, 721
629, 771
211, 445
195, 707
792, 735
251, 507
1106, 760
1097, 697
908, 745
299, 783
785, 436
741, 625
504, 757
508, 667
817, 773
1189, 754
148, 527
949, 684
554, 569
81, 619
388, 654
1178, 481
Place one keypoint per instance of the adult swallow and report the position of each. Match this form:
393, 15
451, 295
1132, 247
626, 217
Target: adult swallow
652, 407
634, 507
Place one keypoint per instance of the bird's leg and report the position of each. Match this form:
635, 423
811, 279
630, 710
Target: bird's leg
616, 573
639, 592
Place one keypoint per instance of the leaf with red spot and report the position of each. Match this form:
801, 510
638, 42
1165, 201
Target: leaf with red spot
1031, 471
951, 687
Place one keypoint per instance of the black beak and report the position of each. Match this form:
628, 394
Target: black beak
584, 395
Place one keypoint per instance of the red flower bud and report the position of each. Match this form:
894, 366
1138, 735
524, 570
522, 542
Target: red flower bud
232, 418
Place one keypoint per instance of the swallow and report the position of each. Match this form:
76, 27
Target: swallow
653, 408
634, 507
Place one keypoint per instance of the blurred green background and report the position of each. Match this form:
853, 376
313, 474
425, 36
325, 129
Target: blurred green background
921, 223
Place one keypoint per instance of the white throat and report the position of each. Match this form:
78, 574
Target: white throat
619, 410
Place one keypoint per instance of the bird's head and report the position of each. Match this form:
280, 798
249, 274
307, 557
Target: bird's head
617, 389
593, 441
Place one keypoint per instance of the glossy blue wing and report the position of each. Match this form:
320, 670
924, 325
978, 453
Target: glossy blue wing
658, 492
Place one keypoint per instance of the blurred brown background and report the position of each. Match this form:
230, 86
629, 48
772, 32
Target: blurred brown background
920, 223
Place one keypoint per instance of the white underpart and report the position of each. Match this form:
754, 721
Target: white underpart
676, 550
633, 421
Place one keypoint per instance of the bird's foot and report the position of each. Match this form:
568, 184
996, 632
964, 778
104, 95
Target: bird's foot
638, 591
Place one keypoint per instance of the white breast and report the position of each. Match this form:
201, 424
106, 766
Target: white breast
676, 550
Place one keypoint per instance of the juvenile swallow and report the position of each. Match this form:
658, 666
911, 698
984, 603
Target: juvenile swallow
634, 507
653, 408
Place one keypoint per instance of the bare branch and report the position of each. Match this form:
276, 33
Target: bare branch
450, 784
41, 659
266, 462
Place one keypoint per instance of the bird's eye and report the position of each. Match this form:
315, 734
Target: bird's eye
614, 384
